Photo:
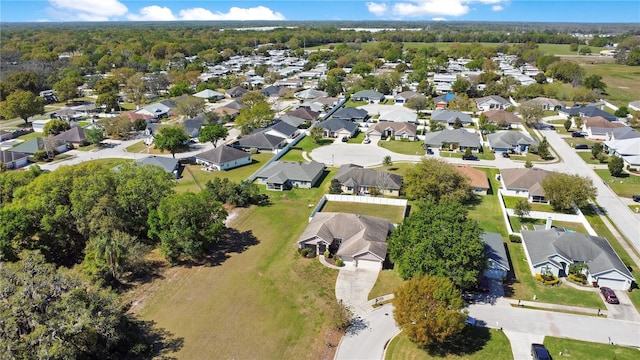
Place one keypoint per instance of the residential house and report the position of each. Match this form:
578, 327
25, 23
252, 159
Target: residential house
460, 139
628, 149
404, 96
396, 130
477, 179
282, 129
290, 83
224, 158
360, 241
47, 144
168, 164
623, 133
586, 111
599, 128
260, 141
304, 113
503, 118
158, 110
450, 116
510, 141
351, 114
338, 128
370, 96
283, 175
525, 183
552, 251
442, 101
309, 94
357, 180
496, 255
292, 120
235, 92
74, 136
492, 102
399, 115
271, 91
14, 159
209, 95
547, 103
38, 125
133, 116
225, 112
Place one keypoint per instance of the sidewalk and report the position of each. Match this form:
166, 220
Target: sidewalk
556, 307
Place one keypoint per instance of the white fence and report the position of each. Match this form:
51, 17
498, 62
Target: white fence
357, 199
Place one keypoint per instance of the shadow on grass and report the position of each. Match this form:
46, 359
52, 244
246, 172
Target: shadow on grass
162, 343
472, 339
232, 241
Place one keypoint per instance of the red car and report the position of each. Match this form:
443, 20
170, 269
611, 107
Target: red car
609, 295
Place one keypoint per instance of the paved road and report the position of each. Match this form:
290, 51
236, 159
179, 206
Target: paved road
367, 338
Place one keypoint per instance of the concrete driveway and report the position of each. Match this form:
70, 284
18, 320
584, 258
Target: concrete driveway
353, 287
623, 311
521, 343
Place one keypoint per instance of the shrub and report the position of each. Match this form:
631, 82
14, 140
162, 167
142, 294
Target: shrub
311, 254
339, 262
40, 155
305, 252
327, 254
515, 238
547, 279
578, 279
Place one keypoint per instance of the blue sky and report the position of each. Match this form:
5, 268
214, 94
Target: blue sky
596, 11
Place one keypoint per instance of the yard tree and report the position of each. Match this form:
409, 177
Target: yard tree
531, 112
543, 149
252, 98
435, 125
622, 112
242, 194
22, 104
107, 90
94, 135
436, 180
190, 106
67, 88
387, 162
171, 138
335, 187
316, 134
439, 239
428, 309
135, 88
522, 208
55, 127
186, 224
418, 103
567, 124
594, 81
213, 133
616, 166
139, 124
596, 149
117, 127
255, 117
109, 255
564, 191
461, 85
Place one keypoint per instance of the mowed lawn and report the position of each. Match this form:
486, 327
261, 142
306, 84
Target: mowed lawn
479, 343
393, 213
263, 303
403, 147
625, 186
576, 349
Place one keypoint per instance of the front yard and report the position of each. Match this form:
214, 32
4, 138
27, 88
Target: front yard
394, 213
625, 186
403, 147
487, 154
576, 349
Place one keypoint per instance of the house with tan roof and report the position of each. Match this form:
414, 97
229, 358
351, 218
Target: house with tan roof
503, 118
397, 130
477, 178
355, 179
525, 183
359, 240
598, 128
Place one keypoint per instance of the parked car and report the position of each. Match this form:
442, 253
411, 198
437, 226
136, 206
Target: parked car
469, 157
483, 285
551, 127
577, 134
636, 198
345, 139
609, 295
581, 146
471, 321
429, 151
366, 141
540, 352
505, 155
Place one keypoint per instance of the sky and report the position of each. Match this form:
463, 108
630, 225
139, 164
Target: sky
579, 11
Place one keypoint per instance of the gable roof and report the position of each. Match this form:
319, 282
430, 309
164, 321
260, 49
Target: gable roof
169, 164
544, 101
477, 178
502, 116
207, 94
494, 98
494, 250
310, 94
356, 174
222, 154
450, 116
359, 233
350, 113
457, 136
399, 128
283, 128
74, 135
623, 133
368, 94
295, 171
260, 140
600, 122
594, 250
445, 98
292, 120
589, 111
304, 113
271, 90
338, 124
509, 139
399, 115
33, 145
9, 156
236, 91
525, 179
408, 95
625, 147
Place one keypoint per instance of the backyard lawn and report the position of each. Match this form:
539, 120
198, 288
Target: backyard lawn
510, 203
517, 223
574, 141
394, 213
399, 168
403, 147
293, 155
576, 349
625, 186
258, 300
476, 343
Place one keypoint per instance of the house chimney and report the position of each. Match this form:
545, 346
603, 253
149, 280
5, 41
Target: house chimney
547, 225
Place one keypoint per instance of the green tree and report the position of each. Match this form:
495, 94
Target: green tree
567, 124
585, 50
387, 162
117, 127
316, 134
596, 149
190, 106
67, 88
564, 191
428, 310
531, 112
522, 208
622, 112
242, 194
528, 164
436, 180
417, 103
186, 224
439, 239
94, 135
461, 85
213, 133
107, 90
594, 81
543, 149
255, 117
335, 187
616, 166
21, 104
55, 127
170, 138
110, 255
135, 88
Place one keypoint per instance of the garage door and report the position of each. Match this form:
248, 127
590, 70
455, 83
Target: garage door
369, 264
611, 283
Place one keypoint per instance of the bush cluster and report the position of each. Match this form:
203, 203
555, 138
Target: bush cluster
579, 279
339, 262
547, 279
515, 238
307, 252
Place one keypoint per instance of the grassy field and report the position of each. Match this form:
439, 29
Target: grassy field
257, 300
487, 211
576, 349
387, 283
294, 155
403, 147
476, 343
393, 213
353, 103
510, 203
399, 168
307, 144
625, 186
30, 136
487, 154
623, 82
573, 141
588, 158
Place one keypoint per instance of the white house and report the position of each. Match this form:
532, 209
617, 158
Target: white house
224, 158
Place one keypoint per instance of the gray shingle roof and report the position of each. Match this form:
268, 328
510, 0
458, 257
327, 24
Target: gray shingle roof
350, 114
292, 170
338, 124
222, 154
497, 98
283, 128
259, 140
292, 120
9, 156
494, 249
449, 116
368, 94
351, 174
509, 139
33, 145
589, 111
399, 128
458, 136
74, 135
169, 164
594, 250
360, 234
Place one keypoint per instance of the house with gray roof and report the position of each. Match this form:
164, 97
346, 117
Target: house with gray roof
357, 180
282, 129
360, 241
13, 159
496, 255
292, 120
337, 128
168, 164
460, 139
492, 102
370, 96
587, 111
404, 96
235, 92
598, 128
524, 182
74, 135
284, 175
399, 115
223, 158
507, 141
49, 144
158, 110
552, 251
547, 103
260, 141
304, 113
351, 114
209, 95
449, 117
309, 94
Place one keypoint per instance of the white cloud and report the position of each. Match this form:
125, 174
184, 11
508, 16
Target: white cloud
438, 19
88, 10
157, 13
377, 8
417, 8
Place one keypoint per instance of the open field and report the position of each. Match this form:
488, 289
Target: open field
257, 300
394, 213
623, 82
625, 186
576, 349
479, 343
